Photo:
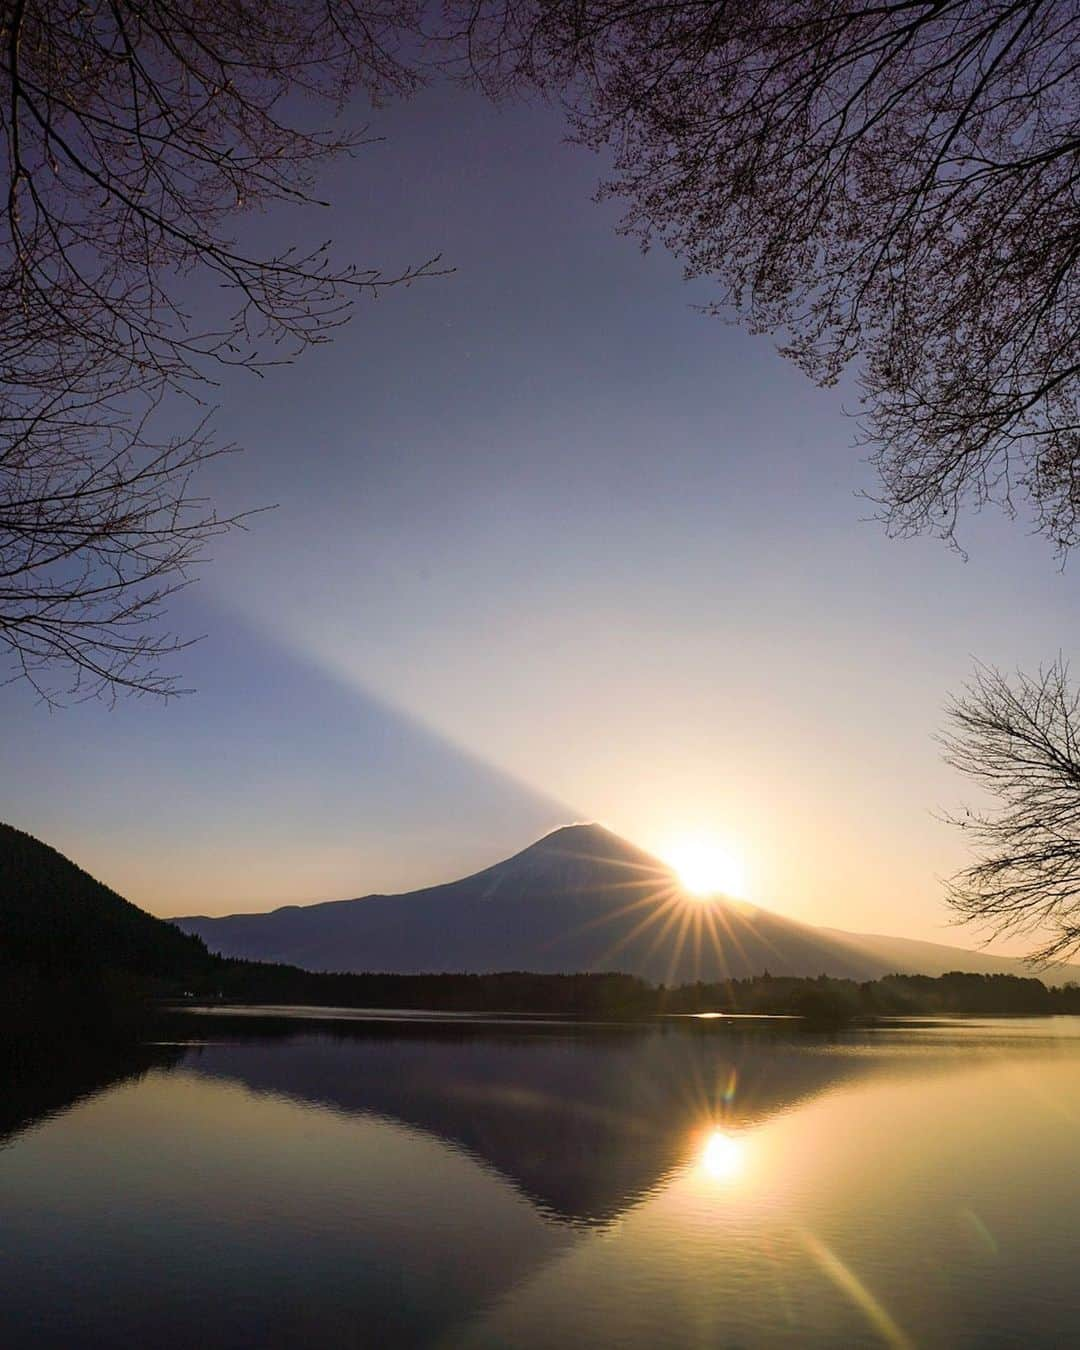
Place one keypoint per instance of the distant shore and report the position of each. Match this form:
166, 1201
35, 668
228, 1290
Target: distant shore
822, 1000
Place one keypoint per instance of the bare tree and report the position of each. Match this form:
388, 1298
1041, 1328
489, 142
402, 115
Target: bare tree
1019, 740
892, 183
134, 132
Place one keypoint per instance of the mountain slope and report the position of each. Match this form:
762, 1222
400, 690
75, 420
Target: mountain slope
579, 899
56, 917
914, 956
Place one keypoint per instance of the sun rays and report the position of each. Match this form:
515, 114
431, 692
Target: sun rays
645, 910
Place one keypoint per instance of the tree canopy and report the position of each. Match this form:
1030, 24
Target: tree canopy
134, 135
888, 185
1018, 740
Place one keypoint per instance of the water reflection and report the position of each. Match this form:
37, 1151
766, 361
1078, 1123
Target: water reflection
723, 1156
853, 1288
582, 1123
538, 1187
39, 1085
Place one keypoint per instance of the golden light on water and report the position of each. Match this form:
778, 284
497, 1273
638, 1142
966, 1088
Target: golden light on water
707, 866
722, 1156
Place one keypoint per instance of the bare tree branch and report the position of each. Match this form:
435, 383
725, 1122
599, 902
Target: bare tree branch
134, 132
1019, 741
893, 184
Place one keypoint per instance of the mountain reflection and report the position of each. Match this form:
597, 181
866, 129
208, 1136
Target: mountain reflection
582, 1122
39, 1084
458, 1186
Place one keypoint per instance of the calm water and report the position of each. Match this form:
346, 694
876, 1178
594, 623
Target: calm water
289, 1183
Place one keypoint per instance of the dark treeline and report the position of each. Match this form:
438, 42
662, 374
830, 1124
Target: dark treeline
825, 998
592, 995
110, 1002
616, 995
47, 1011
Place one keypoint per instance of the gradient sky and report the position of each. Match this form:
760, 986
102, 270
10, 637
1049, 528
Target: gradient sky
550, 545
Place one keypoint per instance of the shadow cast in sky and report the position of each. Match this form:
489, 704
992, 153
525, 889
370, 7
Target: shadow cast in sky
360, 750
353, 796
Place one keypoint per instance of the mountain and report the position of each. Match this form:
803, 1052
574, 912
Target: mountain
579, 899
914, 956
56, 918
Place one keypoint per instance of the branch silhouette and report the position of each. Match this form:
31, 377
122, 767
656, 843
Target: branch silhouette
1017, 740
888, 186
134, 134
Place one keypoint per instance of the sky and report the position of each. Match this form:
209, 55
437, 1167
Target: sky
549, 545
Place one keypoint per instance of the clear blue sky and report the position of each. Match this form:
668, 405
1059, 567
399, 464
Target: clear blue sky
551, 545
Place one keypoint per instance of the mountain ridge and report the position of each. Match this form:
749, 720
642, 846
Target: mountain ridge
579, 898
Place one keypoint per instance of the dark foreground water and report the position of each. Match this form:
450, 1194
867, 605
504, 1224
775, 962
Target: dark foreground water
707, 1184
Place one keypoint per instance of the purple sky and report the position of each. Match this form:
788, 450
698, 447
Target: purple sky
551, 545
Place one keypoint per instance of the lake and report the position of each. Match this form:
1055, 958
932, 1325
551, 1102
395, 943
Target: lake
271, 1180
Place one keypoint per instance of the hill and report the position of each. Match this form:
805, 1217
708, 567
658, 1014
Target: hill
579, 899
57, 919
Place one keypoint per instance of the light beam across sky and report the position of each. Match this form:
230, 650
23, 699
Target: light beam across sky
550, 545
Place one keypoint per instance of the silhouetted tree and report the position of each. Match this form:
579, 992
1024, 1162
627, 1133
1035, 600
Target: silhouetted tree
892, 183
133, 133
1018, 740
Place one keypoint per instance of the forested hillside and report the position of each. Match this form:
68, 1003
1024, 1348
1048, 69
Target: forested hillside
58, 919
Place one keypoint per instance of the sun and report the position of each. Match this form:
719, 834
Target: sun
708, 867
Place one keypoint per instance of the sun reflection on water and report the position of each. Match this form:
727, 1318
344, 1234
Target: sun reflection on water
722, 1156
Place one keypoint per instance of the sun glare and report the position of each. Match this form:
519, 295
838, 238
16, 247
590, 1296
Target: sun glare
721, 1157
708, 867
